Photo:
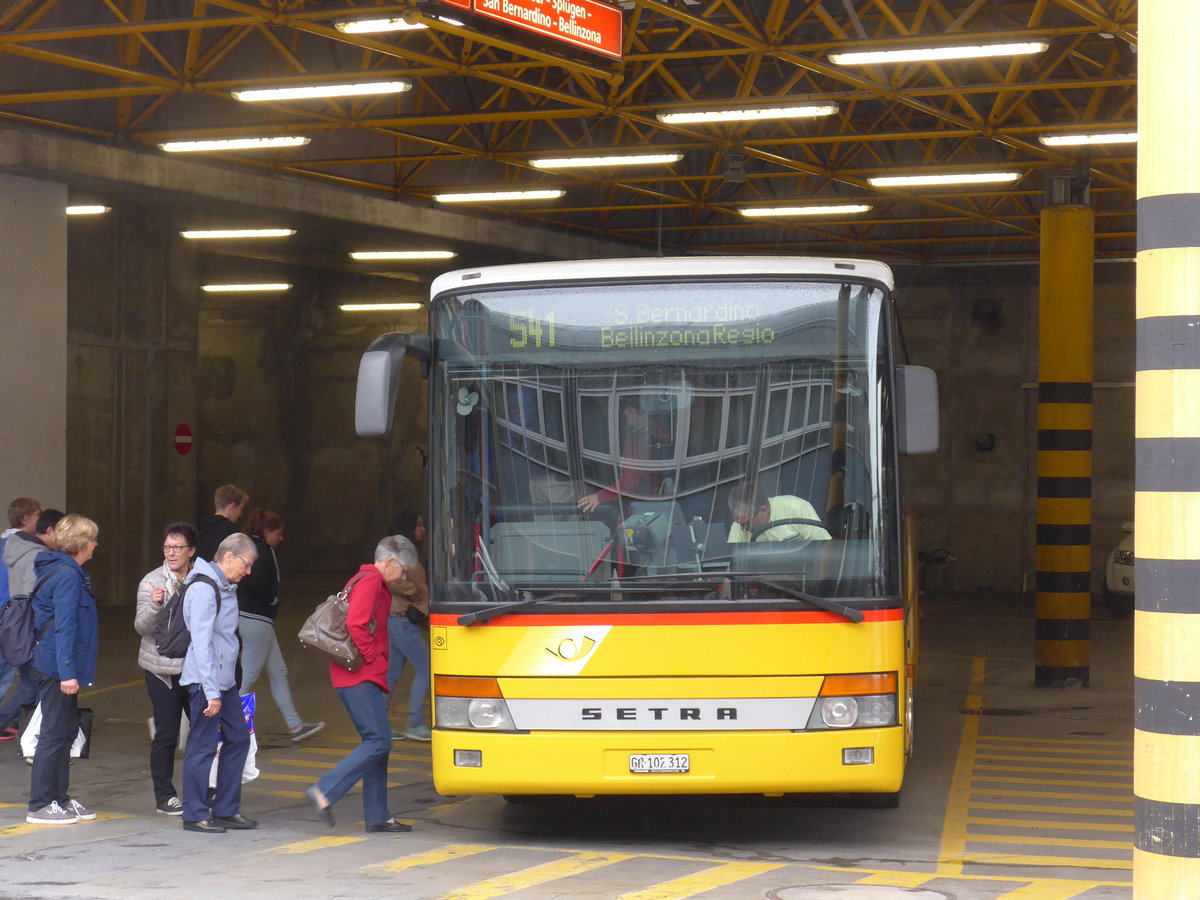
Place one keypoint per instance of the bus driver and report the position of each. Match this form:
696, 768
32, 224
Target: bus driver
754, 513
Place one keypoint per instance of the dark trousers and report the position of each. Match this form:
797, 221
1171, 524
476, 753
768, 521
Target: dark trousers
169, 705
52, 758
24, 697
202, 747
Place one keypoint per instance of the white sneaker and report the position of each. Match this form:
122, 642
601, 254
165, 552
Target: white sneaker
81, 811
52, 814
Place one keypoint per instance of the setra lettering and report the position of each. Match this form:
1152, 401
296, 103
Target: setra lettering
657, 714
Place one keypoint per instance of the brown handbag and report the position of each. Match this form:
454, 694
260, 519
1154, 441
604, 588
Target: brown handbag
325, 630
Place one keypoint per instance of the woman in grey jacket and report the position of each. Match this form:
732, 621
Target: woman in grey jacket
167, 698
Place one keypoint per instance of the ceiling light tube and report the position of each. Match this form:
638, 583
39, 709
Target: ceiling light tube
94, 210
260, 143
743, 114
379, 307
1076, 140
832, 210
403, 254
933, 54
627, 159
244, 288
310, 92
372, 26
487, 196
928, 180
218, 233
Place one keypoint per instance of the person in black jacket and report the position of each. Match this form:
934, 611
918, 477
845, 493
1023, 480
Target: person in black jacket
228, 500
258, 604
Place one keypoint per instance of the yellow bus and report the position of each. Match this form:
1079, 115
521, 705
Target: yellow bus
667, 551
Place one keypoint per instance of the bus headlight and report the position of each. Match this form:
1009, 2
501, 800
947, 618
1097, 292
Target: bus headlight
856, 701
468, 702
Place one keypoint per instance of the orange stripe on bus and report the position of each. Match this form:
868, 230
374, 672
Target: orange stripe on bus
730, 618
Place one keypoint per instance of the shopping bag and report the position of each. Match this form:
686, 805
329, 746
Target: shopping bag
83, 740
249, 770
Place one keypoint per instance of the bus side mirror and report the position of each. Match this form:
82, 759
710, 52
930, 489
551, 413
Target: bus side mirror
917, 409
379, 379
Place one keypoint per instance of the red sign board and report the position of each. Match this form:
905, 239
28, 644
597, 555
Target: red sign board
585, 23
183, 440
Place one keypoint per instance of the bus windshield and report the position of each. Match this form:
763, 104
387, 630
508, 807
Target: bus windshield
655, 441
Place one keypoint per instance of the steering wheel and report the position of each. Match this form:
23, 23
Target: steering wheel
754, 535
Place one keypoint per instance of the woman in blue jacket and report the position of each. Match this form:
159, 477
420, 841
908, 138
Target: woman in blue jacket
64, 616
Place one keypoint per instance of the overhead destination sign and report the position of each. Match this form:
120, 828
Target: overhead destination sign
589, 24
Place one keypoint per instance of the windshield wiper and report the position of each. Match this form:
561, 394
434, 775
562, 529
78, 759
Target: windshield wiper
833, 606
528, 598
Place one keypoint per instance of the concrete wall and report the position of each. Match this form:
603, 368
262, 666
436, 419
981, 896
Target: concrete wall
33, 346
978, 329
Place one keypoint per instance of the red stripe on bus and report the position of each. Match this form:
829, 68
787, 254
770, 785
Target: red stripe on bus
730, 618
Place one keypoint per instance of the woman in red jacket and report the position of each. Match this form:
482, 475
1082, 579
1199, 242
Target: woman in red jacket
364, 692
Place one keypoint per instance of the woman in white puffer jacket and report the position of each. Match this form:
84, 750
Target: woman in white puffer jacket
168, 700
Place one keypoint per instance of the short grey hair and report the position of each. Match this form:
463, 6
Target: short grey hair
400, 549
238, 544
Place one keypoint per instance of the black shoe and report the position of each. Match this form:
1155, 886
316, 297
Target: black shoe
325, 813
237, 821
204, 825
392, 827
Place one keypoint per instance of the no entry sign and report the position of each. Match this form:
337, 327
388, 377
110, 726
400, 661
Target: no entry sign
183, 440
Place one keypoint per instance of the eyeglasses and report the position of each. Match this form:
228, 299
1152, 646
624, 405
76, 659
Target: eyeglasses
175, 548
248, 566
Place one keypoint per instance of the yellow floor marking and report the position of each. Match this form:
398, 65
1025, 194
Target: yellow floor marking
1047, 890
1056, 810
336, 751
982, 764
1043, 741
535, 875
322, 764
111, 687
898, 879
1068, 862
1082, 760
430, 857
306, 779
1053, 795
30, 828
295, 795
1057, 782
976, 838
699, 882
315, 844
954, 825
1054, 824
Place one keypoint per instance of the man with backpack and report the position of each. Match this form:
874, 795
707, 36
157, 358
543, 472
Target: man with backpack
33, 534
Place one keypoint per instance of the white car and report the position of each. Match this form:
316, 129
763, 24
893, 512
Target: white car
1118, 577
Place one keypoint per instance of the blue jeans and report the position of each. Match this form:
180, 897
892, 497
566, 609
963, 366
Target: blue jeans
202, 747
52, 758
408, 642
368, 762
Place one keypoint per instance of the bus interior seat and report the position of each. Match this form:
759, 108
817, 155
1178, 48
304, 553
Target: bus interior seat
550, 551
848, 520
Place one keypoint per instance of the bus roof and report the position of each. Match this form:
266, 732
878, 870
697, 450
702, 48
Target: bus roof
659, 267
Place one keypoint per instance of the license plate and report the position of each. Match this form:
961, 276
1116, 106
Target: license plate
647, 763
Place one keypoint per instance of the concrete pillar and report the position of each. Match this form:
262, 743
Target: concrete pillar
33, 341
1064, 458
1166, 779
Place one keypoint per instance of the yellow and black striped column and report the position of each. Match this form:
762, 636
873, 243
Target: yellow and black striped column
1064, 458
1166, 780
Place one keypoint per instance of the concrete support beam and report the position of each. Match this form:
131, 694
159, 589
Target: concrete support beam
1166, 748
68, 159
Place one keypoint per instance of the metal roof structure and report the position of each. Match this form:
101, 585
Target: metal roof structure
487, 100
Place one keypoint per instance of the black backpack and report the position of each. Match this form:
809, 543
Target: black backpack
17, 637
171, 635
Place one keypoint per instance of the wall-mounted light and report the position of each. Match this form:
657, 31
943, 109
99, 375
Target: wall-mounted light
222, 233
264, 287
258, 143
380, 307
933, 54
928, 180
93, 210
747, 113
830, 210
314, 91
624, 159
490, 196
403, 254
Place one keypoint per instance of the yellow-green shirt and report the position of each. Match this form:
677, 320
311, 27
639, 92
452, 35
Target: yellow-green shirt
784, 506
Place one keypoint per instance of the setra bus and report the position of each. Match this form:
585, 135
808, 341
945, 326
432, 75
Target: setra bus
668, 551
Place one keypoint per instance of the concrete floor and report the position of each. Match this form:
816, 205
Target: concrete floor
1028, 795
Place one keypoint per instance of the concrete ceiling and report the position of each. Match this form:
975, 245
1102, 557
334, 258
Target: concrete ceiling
122, 76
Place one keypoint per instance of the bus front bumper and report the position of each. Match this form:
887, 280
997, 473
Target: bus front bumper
725, 762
